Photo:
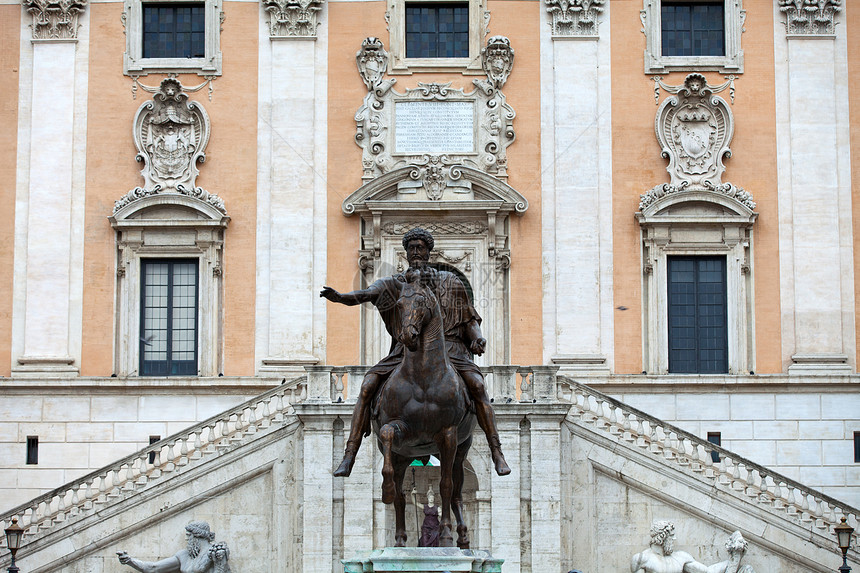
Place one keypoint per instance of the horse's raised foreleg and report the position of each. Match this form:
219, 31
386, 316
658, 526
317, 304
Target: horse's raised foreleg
400, 465
457, 496
446, 440
389, 435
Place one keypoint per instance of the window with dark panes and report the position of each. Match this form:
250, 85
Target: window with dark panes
168, 341
693, 28
698, 333
174, 30
437, 30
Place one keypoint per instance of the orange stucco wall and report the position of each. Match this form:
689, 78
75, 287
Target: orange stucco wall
10, 37
519, 21
637, 166
229, 171
852, 25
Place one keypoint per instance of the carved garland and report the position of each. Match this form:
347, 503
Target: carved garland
293, 18
55, 19
574, 17
810, 17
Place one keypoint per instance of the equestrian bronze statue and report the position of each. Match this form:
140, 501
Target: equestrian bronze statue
422, 395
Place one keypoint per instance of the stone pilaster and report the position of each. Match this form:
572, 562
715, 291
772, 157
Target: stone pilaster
291, 162
576, 186
545, 484
505, 494
815, 233
317, 514
50, 195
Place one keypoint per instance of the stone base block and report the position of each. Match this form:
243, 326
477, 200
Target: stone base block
423, 560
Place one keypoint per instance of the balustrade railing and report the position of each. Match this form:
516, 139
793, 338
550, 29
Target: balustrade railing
135, 472
505, 384
726, 470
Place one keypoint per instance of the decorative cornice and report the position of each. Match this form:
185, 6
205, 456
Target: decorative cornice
293, 18
810, 17
574, 17
728, 189
55, 20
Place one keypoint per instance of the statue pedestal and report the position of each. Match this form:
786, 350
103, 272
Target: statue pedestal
423, 560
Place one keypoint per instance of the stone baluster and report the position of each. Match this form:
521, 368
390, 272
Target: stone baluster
527, 390
267, 413
170, 466
60, 512
251, 418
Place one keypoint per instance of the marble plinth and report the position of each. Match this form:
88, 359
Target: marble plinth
423, 560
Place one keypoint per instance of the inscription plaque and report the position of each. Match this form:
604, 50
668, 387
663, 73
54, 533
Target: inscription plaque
434, 127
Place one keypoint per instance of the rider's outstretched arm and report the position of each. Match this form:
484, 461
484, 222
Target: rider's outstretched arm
350, 298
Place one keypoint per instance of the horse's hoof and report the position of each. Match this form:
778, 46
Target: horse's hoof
462, 537
345, 467
445, 537
400, 541
501, 465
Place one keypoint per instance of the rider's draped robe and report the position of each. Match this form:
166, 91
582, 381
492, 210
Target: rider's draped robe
457, 312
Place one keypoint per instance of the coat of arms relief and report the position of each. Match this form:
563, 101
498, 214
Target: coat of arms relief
434, 128
694, 127
170, 134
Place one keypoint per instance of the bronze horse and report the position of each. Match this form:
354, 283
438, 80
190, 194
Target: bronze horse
422, 409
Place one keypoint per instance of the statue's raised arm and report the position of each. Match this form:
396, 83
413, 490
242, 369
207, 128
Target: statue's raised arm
199, 556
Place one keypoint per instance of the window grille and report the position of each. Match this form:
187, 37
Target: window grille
174, 30
437, 30
698, 333
168, 341
693, 28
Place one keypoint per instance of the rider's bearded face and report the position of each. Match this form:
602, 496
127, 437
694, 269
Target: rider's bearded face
417, 253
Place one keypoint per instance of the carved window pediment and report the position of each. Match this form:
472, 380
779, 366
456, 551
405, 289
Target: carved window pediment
413, 187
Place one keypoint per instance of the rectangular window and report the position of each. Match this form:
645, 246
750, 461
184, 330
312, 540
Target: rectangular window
857, 447
698, 332
32, 450
174, 30
152, 440
437, 30
693, 28
168, 341
716, 439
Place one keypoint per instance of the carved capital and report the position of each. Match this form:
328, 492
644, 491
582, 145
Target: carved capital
574, 17
293, 18
55, 19
810, 17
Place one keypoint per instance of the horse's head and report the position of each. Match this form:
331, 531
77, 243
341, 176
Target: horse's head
415, 309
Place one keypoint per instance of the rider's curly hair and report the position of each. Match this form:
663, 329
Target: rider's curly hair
419, 233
